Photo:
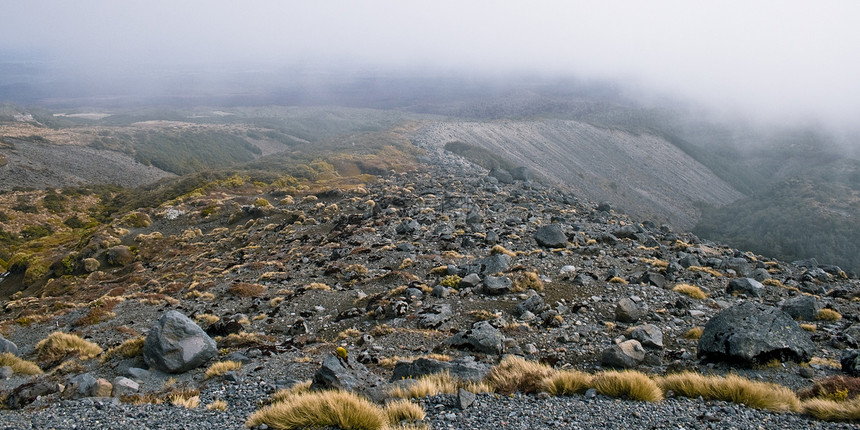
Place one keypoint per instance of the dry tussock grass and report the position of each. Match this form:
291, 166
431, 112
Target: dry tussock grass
829, 410
217, 405
567, 382
499, 249
828, 315
629, 384
340, 409
58, 344
317, 286
207, 318
129, 348
527, 281
221, 367
617, 280
694, 333
517, 374
403, 410
19, 365
390, 362
732, 388
244, 289
187, 398
707, 270
690, 290
427, 385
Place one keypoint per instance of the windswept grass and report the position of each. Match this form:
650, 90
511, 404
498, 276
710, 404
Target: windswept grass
517, 374
829, 410
128, 349
732, 388
707, 270
58, 345
427, 385
567, 382
828, 315
627, 384
403, 410
691, 291
19, 365
340, 409
221, 367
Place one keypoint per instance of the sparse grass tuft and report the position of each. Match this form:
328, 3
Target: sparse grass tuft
629, 384
483, 315
390, 362
707, 270
340, 409
128, 349
207, 318
19, 365
381, 330
828, 315
732, 388
566, 383
773, 282
403, 410
617, 280
222, 367
809, 327
186, 398
58, 345
427, 385
660, 264
690, 290
694, 333
244, 289
317, 286
527, 281
829, 410
499, 249
517, 374
217, 405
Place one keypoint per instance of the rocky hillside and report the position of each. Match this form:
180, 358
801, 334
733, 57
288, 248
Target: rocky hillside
194, 312
639, 173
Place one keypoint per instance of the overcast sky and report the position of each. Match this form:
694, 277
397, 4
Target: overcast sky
766, 58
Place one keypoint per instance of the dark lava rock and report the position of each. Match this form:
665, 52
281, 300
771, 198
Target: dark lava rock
465, 368
747, 286
624, 355
551, 236
489, 265
175, 344
630, 310
502, 176
655, 279
482, 337
434, 316
752, 333
27, 393
803, 307
851, 362
649, 335
347, 374
471, 280
533, 304
497, 285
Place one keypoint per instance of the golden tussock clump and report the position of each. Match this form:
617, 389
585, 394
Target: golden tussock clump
830, 410
694, 333
217, 405
19, 365
390, 362
517, 374
244, 289
341, 409
317, 286
629, 384
527, 281
186, 398
567, 382
690, 290
403, 410
427, 385
707, 270
617, 280
129, 348
732, 388
828, 315
58, 344
221, 367
499, 249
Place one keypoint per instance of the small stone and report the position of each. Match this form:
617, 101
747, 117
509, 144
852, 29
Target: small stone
807, 372
465, 398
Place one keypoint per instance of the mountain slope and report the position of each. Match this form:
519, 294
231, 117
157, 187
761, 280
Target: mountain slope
642, 174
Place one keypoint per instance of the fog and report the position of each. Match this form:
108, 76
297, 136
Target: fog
767, 60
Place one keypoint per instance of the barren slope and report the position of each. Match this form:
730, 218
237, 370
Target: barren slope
643, 175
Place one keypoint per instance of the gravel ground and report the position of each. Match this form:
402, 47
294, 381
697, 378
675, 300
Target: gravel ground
489, 411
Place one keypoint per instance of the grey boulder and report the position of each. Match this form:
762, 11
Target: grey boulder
803, 307
483, 337
624, 355
752, 333
175, 344
551, 236
747, 286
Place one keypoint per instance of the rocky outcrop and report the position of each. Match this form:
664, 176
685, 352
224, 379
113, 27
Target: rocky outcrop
175, 344
752, 333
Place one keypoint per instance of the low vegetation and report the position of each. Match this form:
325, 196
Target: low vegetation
60, 345
732, 388
691, 291
19, 365
221, 367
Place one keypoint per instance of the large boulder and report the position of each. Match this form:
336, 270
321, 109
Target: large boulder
624, 355
483, 337
803, 307
489, 265
753, 333
8, 346
175, 344
747, 286
551, 236
630, 309
850, 362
